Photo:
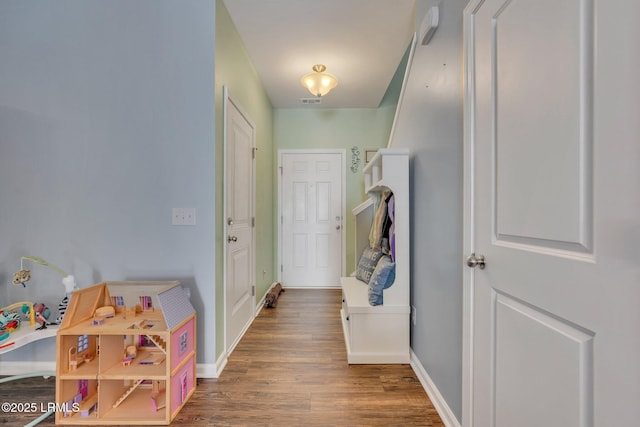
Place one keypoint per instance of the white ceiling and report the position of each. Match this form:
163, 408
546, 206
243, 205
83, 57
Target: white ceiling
360, 41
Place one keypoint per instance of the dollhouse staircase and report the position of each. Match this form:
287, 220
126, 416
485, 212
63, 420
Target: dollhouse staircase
159, 342
127, 393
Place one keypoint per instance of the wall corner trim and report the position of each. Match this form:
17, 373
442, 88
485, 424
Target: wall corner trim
207, 370
446, 414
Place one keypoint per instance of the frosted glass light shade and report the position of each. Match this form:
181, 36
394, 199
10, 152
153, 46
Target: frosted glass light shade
319, 83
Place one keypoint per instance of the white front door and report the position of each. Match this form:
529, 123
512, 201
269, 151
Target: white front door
553, 191
311, 219
239, 223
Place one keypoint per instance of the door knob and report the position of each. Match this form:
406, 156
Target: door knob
474, 261
337, 227
232, 239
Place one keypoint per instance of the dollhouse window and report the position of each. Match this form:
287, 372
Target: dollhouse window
146, 303
184, 343
83, 343
117, 301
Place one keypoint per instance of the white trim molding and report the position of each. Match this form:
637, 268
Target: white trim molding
445, 412
207, 370
468, 235
403, 89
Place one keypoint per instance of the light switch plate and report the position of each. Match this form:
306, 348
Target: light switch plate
189, 216
183, 216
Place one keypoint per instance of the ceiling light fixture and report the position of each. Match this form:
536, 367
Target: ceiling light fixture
319, 83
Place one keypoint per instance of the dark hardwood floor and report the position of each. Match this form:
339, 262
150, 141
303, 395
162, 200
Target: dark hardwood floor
290, 369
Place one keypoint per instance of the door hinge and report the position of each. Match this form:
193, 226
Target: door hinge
281, 268
253, 291
253, 152
281, 219
253, 221
280, 170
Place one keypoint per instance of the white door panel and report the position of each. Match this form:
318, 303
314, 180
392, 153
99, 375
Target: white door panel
541, 359
238, 279
552, 318
239, 239
312, 215
543, 189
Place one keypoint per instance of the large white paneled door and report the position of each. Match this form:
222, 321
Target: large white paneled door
239, 222
553, 205
311, 218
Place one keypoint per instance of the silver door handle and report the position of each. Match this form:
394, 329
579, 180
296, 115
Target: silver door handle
232, 239
474, 261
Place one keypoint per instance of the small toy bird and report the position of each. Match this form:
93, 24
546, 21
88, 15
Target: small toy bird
42, 314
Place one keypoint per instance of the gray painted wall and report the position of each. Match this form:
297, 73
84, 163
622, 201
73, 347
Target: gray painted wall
106, 123
430, 124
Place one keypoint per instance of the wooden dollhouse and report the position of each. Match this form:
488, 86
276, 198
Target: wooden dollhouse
126, 354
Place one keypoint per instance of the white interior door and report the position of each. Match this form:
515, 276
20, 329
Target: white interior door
239, 223
312, 213
554, 207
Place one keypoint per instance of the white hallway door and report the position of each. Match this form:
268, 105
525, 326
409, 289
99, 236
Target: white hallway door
239, 223
553, 152
311, 219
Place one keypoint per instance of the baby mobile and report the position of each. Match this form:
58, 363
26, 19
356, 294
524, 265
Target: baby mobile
42, 312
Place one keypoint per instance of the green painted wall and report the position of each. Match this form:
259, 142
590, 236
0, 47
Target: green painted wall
364, 128
392, 95
234, 70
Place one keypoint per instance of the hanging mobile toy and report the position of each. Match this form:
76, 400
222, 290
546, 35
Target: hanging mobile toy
22, 277
69, 282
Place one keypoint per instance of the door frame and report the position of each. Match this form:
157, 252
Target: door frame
343, 184
226, 99
468, 245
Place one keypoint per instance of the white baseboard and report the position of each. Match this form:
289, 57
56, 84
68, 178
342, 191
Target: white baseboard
221, 363
446, 414
206, 370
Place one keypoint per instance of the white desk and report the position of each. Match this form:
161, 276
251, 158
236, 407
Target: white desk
24, 335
